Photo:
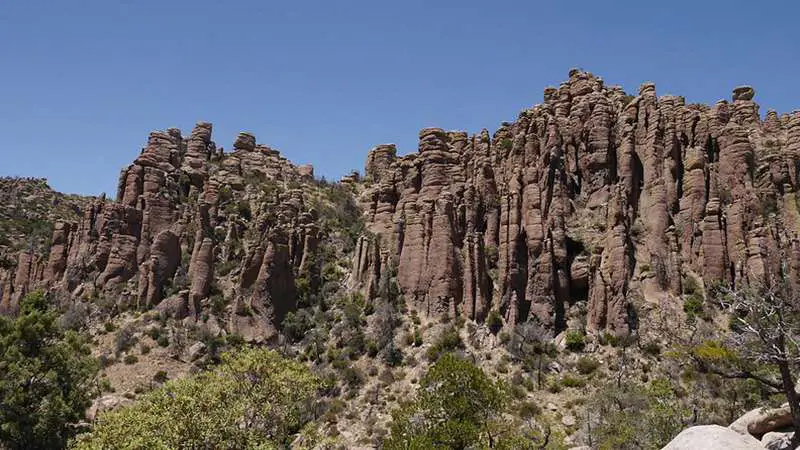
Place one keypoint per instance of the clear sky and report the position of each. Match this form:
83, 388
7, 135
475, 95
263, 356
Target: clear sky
83, 82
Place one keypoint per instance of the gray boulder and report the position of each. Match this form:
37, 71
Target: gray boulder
712, 437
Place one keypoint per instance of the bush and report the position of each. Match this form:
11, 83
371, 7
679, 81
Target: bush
144, 349
296, 324
76, 317
575, 340
494, 321
372, 348
651, 348
572, 381
130, 359
693, 306
417, 337
353, 377
163, 341
455, 401
258, 399
448, 341
160, 377
587, 365
393, 356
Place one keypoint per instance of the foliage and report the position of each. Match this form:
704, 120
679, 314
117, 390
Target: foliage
455, 403
48, 378
125, 339
575, 340
448, 341
587, 365
494, 321
254, 399
763, 344
296, 324
693, 306
632, 416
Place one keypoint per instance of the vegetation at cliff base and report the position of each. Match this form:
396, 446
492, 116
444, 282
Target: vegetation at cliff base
48, 378
254, 399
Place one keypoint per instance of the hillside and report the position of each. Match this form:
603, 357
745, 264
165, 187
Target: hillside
572, 250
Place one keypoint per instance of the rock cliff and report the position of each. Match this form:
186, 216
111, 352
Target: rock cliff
592, 197
587, 207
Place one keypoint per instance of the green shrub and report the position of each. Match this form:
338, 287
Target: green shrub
693, 306
575, 340
163, 340
417, 337
494, 321
353, 377
651, 348
125, 339
587, 365
372, 348
254, 399
504, 338
572, 381
455, 401
130, 359
48, 377
448, 341
393, 356
160, 377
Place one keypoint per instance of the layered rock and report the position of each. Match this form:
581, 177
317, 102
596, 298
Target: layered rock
592, 196
183, 197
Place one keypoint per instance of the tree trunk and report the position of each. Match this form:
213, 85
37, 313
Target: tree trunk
792, 398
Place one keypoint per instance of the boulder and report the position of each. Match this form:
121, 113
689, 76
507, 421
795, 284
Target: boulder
108, 402
712, 437
777, 440
762, 420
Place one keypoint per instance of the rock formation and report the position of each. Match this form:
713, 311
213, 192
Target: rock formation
591, 203
591, 196
166, 231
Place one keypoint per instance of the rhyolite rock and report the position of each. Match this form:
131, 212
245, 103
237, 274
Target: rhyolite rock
593, 200
591, 196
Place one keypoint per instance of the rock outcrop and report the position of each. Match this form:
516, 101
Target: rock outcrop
592, 203
592, 196
181, 210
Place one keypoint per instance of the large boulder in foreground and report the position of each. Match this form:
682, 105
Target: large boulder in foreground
712, 437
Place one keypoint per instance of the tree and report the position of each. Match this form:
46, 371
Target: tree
48, 378
633, 416
455, 404
458, 406
764, 342
254, 399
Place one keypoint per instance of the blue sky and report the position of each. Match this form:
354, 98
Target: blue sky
83, 82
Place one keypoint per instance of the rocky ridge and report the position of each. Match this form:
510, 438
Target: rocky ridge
183, 207
588, 210
593, 198
589, 205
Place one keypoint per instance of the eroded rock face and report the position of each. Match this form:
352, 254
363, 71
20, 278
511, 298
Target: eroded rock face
590, 196
182, 209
